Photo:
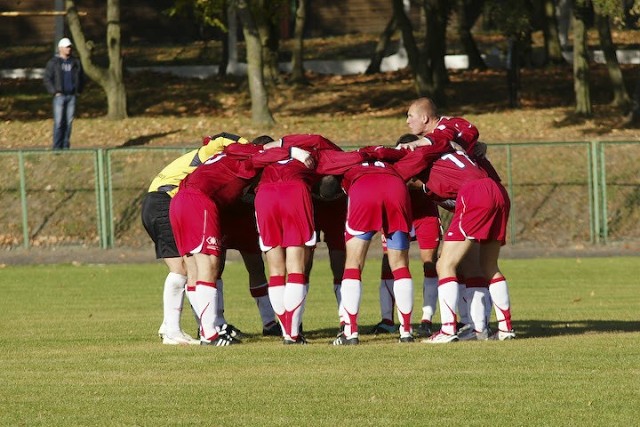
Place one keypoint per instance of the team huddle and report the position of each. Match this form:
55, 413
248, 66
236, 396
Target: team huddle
275, 197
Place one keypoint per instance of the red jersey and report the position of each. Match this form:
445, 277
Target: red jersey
464, 133
223, 177
458, 130
292, 170
450, 172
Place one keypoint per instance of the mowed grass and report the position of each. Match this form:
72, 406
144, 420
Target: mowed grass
78, 346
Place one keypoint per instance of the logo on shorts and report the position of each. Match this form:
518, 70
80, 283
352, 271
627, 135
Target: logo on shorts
450, 234
212, 243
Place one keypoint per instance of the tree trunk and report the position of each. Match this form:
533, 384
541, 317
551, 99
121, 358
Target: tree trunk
468, 12
116, 92
436, 13
581, 64
265, 18
381, 47
621, 98
297, 65
224, 60
417, 61
552, 47
633, 118
260, 113
111, 79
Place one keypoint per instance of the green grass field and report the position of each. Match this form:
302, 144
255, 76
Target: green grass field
78, 346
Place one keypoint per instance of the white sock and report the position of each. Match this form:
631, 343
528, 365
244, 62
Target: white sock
295, 293
276, 297
403, 291
207, 301
351, 291
190, 292
478, 298
448, 300
172, 300
500, 296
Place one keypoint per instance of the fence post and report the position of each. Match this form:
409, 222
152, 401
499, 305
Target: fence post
23, 200
603, 189
102, 214
594, 198
112, 237
512, 211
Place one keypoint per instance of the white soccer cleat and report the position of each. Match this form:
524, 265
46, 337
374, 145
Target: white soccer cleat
441, 338
504, 335
179, 338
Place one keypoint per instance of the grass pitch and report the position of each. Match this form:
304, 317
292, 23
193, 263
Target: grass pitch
78, 347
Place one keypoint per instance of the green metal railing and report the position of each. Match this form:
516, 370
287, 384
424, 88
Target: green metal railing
561, 192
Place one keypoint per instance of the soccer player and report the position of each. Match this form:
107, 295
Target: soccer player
284, 215
155, 218
423, 115
422, 120
386, 209
480, 218
195, 219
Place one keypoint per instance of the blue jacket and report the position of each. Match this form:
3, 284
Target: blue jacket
53, 75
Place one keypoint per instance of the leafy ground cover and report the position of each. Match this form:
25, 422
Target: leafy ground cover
352, 110
87, 354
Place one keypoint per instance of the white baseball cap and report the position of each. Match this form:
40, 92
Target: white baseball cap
64, 42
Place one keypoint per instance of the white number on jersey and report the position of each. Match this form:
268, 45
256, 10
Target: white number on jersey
456, 160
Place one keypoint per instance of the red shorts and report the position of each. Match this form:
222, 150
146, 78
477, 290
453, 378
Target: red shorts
239, 228
284, 214
426, 220
378, 202
330, 217
195, 222
482, 212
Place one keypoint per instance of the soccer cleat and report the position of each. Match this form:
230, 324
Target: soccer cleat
424, 329
232, 330
222, 340
474, 335
342, 339
464, 329
406, 338
384, 328
178, 338
273, 330
290, 341
504, 335
441, 338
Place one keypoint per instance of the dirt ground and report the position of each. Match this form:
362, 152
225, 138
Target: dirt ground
83, 255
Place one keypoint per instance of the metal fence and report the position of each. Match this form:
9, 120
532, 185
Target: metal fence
562, 193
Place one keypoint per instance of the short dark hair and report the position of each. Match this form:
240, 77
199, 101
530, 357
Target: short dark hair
262, 140
407, 137
329, 188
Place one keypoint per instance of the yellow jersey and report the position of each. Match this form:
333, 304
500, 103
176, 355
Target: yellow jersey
168, 180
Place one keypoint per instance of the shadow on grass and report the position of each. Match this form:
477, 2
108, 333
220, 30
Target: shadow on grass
546, 328
524, 329
145, 139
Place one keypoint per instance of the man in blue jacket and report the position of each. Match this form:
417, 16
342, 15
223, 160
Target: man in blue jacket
64, 79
